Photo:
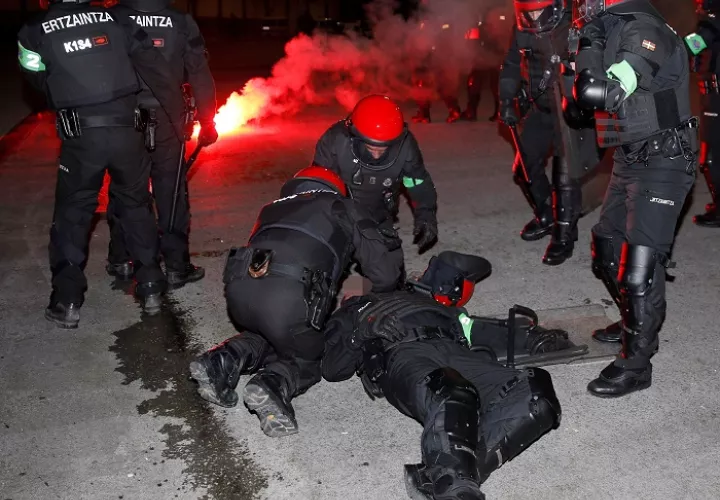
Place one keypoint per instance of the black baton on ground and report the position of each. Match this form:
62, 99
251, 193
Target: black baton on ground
182, 170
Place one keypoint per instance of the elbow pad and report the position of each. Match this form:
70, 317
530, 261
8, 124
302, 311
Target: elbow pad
589, 92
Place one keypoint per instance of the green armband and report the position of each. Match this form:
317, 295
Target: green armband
625, 74
409, 182
467, 323
30, 60
695, 43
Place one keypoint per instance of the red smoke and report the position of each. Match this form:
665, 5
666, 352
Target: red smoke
431, 47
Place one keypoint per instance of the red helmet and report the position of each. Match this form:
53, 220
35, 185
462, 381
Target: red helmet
377, 120
539, 16
314, 177
451, 276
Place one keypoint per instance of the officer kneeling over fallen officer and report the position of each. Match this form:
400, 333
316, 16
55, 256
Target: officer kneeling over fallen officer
437, 364
280, 289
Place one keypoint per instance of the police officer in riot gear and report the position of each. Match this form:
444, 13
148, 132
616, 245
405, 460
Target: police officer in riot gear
375, 155
176, 35
85, 58
280, 288
704, 47
540, 24
425, 354
632, 69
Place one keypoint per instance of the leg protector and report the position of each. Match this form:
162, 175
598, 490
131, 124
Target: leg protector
642, 288
567, 202
218, 370
544, 415
450, 441
605, 264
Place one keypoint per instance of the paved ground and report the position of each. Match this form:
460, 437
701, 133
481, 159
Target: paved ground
107, 411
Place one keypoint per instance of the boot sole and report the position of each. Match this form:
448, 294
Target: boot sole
556, 261
273, 421
537, 236
639, 387
174, 285
65, 325
206, 389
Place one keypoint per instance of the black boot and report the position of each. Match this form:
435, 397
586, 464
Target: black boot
218, 371
611, 333
453, 115
615, 381
540, 226
64, 315
451, 446
642, 287
123, 271
567, 203
711, 218
562, 245
268, 396
150, 295
190, 274
423, 113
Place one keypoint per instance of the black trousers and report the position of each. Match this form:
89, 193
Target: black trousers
475, 81
642, 205
274, 309
538, 140
174, 246
83, 162
710, 150
404, 384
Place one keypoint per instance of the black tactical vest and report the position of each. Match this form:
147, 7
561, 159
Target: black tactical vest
537, 52
313, 214
646, 112
86, 56
168, 30
369, 184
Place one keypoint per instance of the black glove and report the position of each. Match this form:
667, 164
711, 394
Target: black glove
391, 330
425, 232
575, 116
208, 134
507, 112
594, 33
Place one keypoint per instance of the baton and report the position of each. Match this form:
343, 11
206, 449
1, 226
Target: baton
520, 152
183, 168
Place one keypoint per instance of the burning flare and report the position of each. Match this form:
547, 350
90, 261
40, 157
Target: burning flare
240, 108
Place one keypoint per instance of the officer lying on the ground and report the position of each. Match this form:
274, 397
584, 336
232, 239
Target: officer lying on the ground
435, 363
297, 255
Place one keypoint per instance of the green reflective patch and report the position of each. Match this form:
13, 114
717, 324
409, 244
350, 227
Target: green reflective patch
467, 324
625, 74
695, 43
409, 182
30, 60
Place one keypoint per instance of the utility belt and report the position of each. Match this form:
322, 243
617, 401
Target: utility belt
70, 125
673, 143
709, 86
257, 263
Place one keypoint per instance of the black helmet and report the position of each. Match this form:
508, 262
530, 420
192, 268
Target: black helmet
539, 16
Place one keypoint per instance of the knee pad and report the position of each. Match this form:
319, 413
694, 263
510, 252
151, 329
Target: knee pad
642, 283
544, 405
604, 259
637, 269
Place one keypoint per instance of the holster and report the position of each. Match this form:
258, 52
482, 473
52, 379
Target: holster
524, 103
68, 124
680, 141
149, 123
373, 367
319, 295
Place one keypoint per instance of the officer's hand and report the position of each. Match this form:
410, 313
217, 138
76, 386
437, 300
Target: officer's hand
425, 232
507, 112
208, 134
594, 31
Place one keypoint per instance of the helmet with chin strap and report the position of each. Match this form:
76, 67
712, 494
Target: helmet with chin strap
376, 120
539, 16
314, 178
451, 277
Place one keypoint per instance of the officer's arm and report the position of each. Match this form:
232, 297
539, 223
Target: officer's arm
706, 33
31, 62
198, 73
153, 69
325, 155
510, 73
420, 186
643, 50
341, 358
372, 248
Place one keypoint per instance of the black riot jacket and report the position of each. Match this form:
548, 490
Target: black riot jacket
375, 183
343, 356
85, 56
323, 231
707, 61
529, 59
652, 58
177, 36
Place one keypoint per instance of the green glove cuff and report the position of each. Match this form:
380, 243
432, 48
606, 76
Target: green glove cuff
409, 182
467, 323
625, 74
695, 43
